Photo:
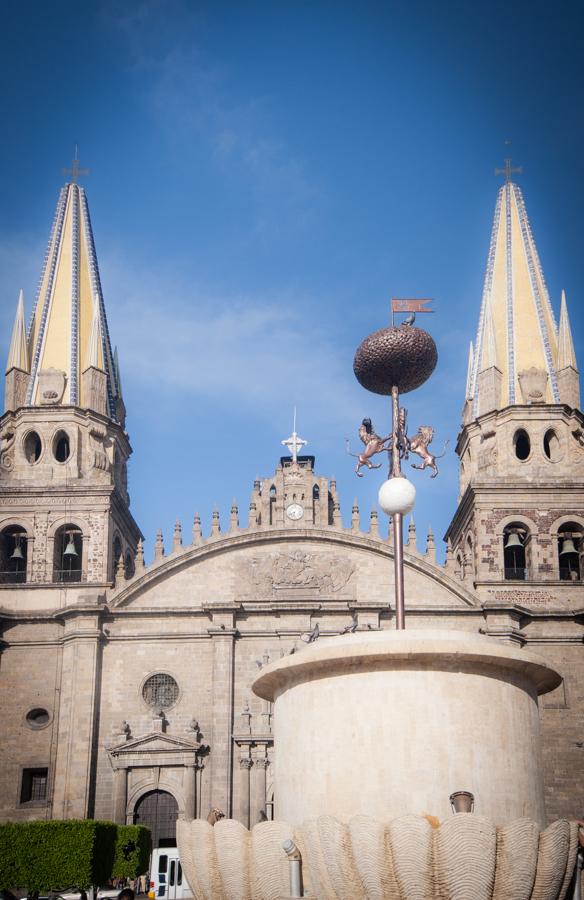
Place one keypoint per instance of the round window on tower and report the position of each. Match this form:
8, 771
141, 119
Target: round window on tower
61, 446
160, 691
522, 444
32, 447
38, 717
551, 445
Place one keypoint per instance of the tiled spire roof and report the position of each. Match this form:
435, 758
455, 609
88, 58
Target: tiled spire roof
69, 296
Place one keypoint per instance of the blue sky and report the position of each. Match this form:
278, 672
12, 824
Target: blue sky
264, 177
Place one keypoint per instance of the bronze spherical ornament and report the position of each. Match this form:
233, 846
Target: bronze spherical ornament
400, 355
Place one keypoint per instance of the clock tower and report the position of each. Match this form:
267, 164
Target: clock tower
295, 496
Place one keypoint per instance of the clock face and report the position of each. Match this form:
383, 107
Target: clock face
295, 511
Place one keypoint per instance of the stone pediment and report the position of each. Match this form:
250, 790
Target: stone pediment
156, 748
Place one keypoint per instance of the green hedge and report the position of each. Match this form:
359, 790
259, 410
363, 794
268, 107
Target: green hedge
49, 855
133, 848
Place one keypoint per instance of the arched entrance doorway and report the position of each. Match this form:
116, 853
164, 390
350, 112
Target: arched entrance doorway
158, 810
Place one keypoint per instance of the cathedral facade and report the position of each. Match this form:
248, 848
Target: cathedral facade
126, 688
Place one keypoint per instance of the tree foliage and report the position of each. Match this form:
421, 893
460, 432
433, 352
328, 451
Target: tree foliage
133, 848
55, 854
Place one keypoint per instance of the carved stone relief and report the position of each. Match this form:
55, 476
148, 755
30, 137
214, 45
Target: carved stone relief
297, 572
533, 384
51, 386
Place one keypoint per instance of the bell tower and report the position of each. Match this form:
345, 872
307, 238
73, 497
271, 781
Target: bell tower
63, 446
295, 496
517, 534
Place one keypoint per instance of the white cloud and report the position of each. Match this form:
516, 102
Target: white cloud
249, 351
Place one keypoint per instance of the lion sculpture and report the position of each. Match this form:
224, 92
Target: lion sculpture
419, 445
373, 445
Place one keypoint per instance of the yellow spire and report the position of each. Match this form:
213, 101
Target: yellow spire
489, 344
517, 329
18, 353
95, 346
469, 372
566, 352
69, 325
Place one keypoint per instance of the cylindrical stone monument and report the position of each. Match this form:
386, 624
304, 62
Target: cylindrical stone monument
389, 723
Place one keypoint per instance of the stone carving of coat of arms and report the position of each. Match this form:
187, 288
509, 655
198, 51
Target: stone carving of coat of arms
298, 572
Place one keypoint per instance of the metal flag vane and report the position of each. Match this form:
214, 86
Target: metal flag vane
409, 305
509, 170
294, 443
75, 171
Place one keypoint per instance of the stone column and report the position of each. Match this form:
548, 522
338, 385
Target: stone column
259, 805
74, 778
120, 794
221, 757
190, 790
245, 795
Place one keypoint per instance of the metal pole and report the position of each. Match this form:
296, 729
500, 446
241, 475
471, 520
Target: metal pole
398, 531
398, 561
295, 860
395, 459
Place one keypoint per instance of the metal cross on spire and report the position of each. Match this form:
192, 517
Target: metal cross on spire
509, 170
294, 443
75, 171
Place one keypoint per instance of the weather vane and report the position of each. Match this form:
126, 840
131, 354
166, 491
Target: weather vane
75, 171
395, 360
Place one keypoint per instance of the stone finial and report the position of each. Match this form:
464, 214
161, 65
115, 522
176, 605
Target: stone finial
449, 559
159, 545
125, 731
159, 722
195, 728
253, 514
374, 523
430, 546
197, 534
234, 517
139, 558
411, 542
215, 526
120, 575
333, 485
355, 522
177, 536
257, 484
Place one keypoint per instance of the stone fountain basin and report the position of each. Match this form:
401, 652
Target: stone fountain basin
390, 723
410, 858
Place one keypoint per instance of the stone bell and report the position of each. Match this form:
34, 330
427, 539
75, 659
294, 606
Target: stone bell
513, 541
70, 548
567, 546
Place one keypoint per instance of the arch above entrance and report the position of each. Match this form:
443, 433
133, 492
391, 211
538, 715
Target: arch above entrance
158, 810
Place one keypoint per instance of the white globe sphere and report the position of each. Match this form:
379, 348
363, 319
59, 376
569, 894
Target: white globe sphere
397, 495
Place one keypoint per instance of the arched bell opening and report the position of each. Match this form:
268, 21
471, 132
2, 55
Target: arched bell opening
515, 546
13, 555
273, 504
68, 554
315, 502
570, 549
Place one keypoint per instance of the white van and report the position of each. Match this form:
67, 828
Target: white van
166, 876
